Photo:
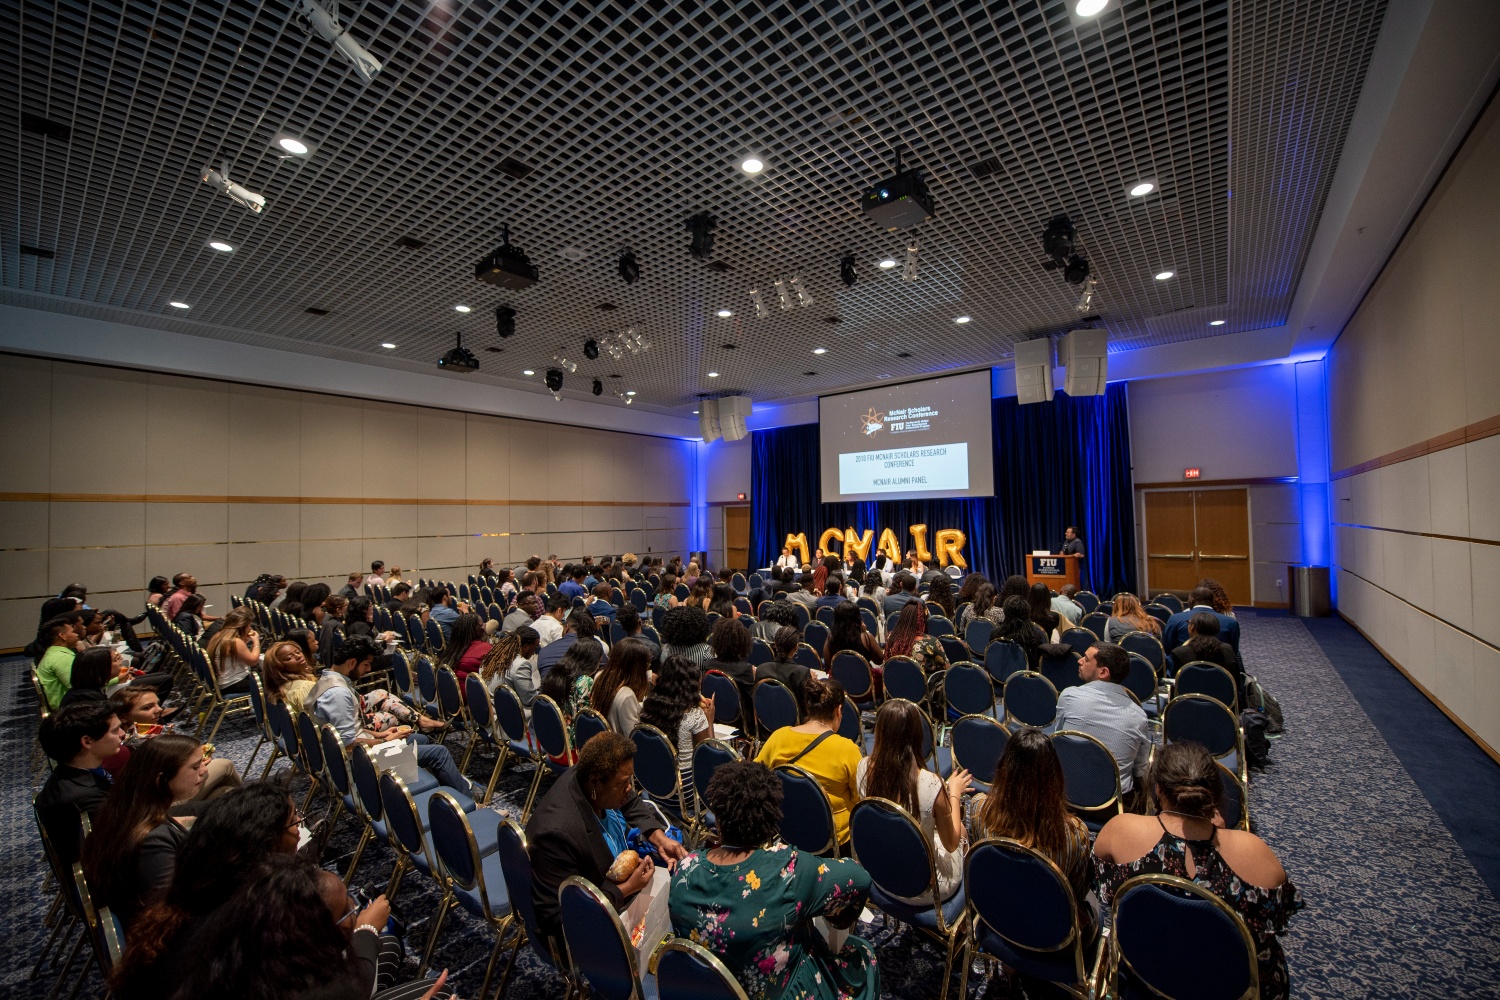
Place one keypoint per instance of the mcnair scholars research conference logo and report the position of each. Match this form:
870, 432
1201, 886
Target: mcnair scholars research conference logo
872, 422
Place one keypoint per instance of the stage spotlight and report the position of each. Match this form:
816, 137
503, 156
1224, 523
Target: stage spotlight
598, 388
702, 227
846, 270
1086, 297
591, 349
219, 181
630, 271
803, 298
1059, 239
554, 380
505, 321
762, 311
327, 25
783, 294
1076, 272
909, 269
568, 366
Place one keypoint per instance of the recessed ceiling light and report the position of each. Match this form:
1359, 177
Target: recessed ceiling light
179, 305
695, 413
528, 371
1088, 8
887, 262
462, 309
389, 347
221, 246
630, 392
1216, 322
724, 313
1142, 189
294, 146
962, 319
752, 165
713, 374
1164, 275
820, 350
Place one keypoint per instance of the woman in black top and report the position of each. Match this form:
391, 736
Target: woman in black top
730, 641
1018, 627
782, 667
1040, 599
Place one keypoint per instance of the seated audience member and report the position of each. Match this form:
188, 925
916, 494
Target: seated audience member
833, 594
721, 601
571, 679
854, 567
80, 738
234, 651
1220, 600
701, 593
512, 661
874, 589
359, 619
1202, 644
828, 568
1175, 632
265, 588
574, 585
1103, 708
136, 707
894, 771
676, 706
579, 626
580, 826
351, 588
445, 609
1040, 601
549, 625
818, 749
849, 632
1184, 839
908, 637
782, 667
753, 900
231, 837
183, 584
1064, 604
400, 594
1015, 585
190, 617
288, 675
131, 853
291, 603
666, 596
467, 648
307, 641
940, 592
730, 642
969, 588
53, 651
1129, 616
903, 592
96, 672
600, 607
984, 604
774, 616
630, 620
1027, 803
312, 604
782, 581
156, 592
802, 591
377, 576
623, 684
529, 607
684, 632
335, 700
1016, 626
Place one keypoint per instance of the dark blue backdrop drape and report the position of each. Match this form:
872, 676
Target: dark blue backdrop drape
1058, 463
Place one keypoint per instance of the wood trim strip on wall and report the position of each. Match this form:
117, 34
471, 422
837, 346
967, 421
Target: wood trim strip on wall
1477, 431
1195, 484
1479, 639
1420, 534
391, 501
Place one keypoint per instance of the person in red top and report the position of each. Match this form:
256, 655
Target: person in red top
466, 648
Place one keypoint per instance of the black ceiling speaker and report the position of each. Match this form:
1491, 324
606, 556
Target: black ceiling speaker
554, 379
702, 227
505, 321
629, 270
846, 270
1059, 239
591, 350
1077, 270
598, 389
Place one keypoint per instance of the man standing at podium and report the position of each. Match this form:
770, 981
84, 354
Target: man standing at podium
1072, 544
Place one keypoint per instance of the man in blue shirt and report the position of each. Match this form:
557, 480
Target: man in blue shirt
1105, 710
832, 594
600, 607
903, 592
575, 587
1201, 600
445, 610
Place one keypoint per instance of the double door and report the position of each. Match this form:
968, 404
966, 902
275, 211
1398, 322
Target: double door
1192, 534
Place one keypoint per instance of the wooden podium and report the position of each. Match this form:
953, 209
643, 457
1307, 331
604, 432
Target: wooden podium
1054, 570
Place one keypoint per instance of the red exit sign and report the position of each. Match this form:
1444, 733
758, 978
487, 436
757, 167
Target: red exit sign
1191, 473
740, 497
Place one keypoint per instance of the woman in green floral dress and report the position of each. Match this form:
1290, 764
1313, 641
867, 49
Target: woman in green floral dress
753, 906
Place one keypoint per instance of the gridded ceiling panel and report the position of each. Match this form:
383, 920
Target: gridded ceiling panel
632, 117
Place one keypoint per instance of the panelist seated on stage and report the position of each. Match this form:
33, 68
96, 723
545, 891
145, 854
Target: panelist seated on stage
786, 560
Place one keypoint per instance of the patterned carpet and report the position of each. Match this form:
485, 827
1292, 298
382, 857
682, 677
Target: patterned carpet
1394, 907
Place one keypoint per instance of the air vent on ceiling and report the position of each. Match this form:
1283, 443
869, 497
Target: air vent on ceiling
41, 252
315, 311
730, 347
903, 354
718, 265
45, 126
411, 243
495, 350
832, 319
985, 167
512, 167
607, 306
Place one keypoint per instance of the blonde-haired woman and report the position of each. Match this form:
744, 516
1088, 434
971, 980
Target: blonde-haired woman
234, 651
1129, 616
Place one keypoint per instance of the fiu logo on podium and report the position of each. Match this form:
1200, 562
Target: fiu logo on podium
872, 422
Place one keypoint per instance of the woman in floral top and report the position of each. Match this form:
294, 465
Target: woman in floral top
753, 906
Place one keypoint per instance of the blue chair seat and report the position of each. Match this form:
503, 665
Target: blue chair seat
918, 916
425, 782
423, 802
944, 757
378, 825
486, 826
494, 881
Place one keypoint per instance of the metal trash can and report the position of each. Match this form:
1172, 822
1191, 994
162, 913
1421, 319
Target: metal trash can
1307, 591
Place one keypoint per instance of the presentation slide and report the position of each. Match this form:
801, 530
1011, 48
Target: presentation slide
901, 442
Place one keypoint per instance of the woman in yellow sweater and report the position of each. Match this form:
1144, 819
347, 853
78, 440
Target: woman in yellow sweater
834, 761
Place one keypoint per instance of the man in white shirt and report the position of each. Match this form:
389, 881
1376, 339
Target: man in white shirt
1064, 604
549, 625
787, 560
1104, 709
377, 575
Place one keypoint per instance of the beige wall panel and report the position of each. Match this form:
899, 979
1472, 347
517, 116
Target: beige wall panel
247, 560
440, 454
478, 549
395, 552
331, 520
486, 520
120, 568
264, 522
1452, 598
187, 429
528, 520
571, 518
1263, 579
74, 524
24, 525
393, 520
626, 541
1277, 543
1482, 463
1365, 497
1421, 637
174, 523
1373, 559
1253, 411
331, 560
216, 597
1484, 718
441, 555
531, 464
1275, 504
26, 445
1485, 570
441, 519
487, 462
18, 622
570, 473
265, 431
23, 574
389, 450
1406, 498
330, 426
102, 412
1448, 492
568, 545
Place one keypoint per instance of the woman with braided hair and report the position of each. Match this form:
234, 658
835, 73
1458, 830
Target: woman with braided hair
512, 661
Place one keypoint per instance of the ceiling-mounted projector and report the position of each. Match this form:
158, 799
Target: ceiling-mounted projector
459, 360
507, 267
899, 202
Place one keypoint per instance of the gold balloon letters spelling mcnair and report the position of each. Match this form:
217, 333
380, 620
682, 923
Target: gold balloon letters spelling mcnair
949, 543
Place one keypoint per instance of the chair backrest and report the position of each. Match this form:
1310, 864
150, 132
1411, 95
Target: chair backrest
1179, 940
366, 781
806, 815
509, 714
481, 708
681, 591
257, 701
1197, 718
870, 619
808, 657
853, 671
852, 724
708, 757
800, 610
1235, 808
977, 634
1141, 680
587, 724
656, 764
1062, 670
1087, 600
1159, 611
1171, 602
1003, 658
416, 632
816, 635
435, 640
1091, 779
824, 616
775, 705
939, 625
1023, 897
335, 759
742, 605
308, 742
968, 689
738, 582
1202, 677
1147, 645
616, 632
639, 599
426, 679
551, 728
597, 941
978, 741
1030, 699
450, 699
403, 825
401, 671
689, 971
284, 728
955, 649
1094, 621
515, 865
456, 849
756, 581
650, 633
889, 844
760, 652
1079, 638
904, 679
726, 695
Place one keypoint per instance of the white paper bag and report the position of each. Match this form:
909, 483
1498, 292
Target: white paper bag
398, 756
646, 919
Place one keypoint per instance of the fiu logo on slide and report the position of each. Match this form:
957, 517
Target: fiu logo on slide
872, 422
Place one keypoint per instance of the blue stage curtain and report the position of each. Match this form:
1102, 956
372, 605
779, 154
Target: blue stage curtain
1061, 463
